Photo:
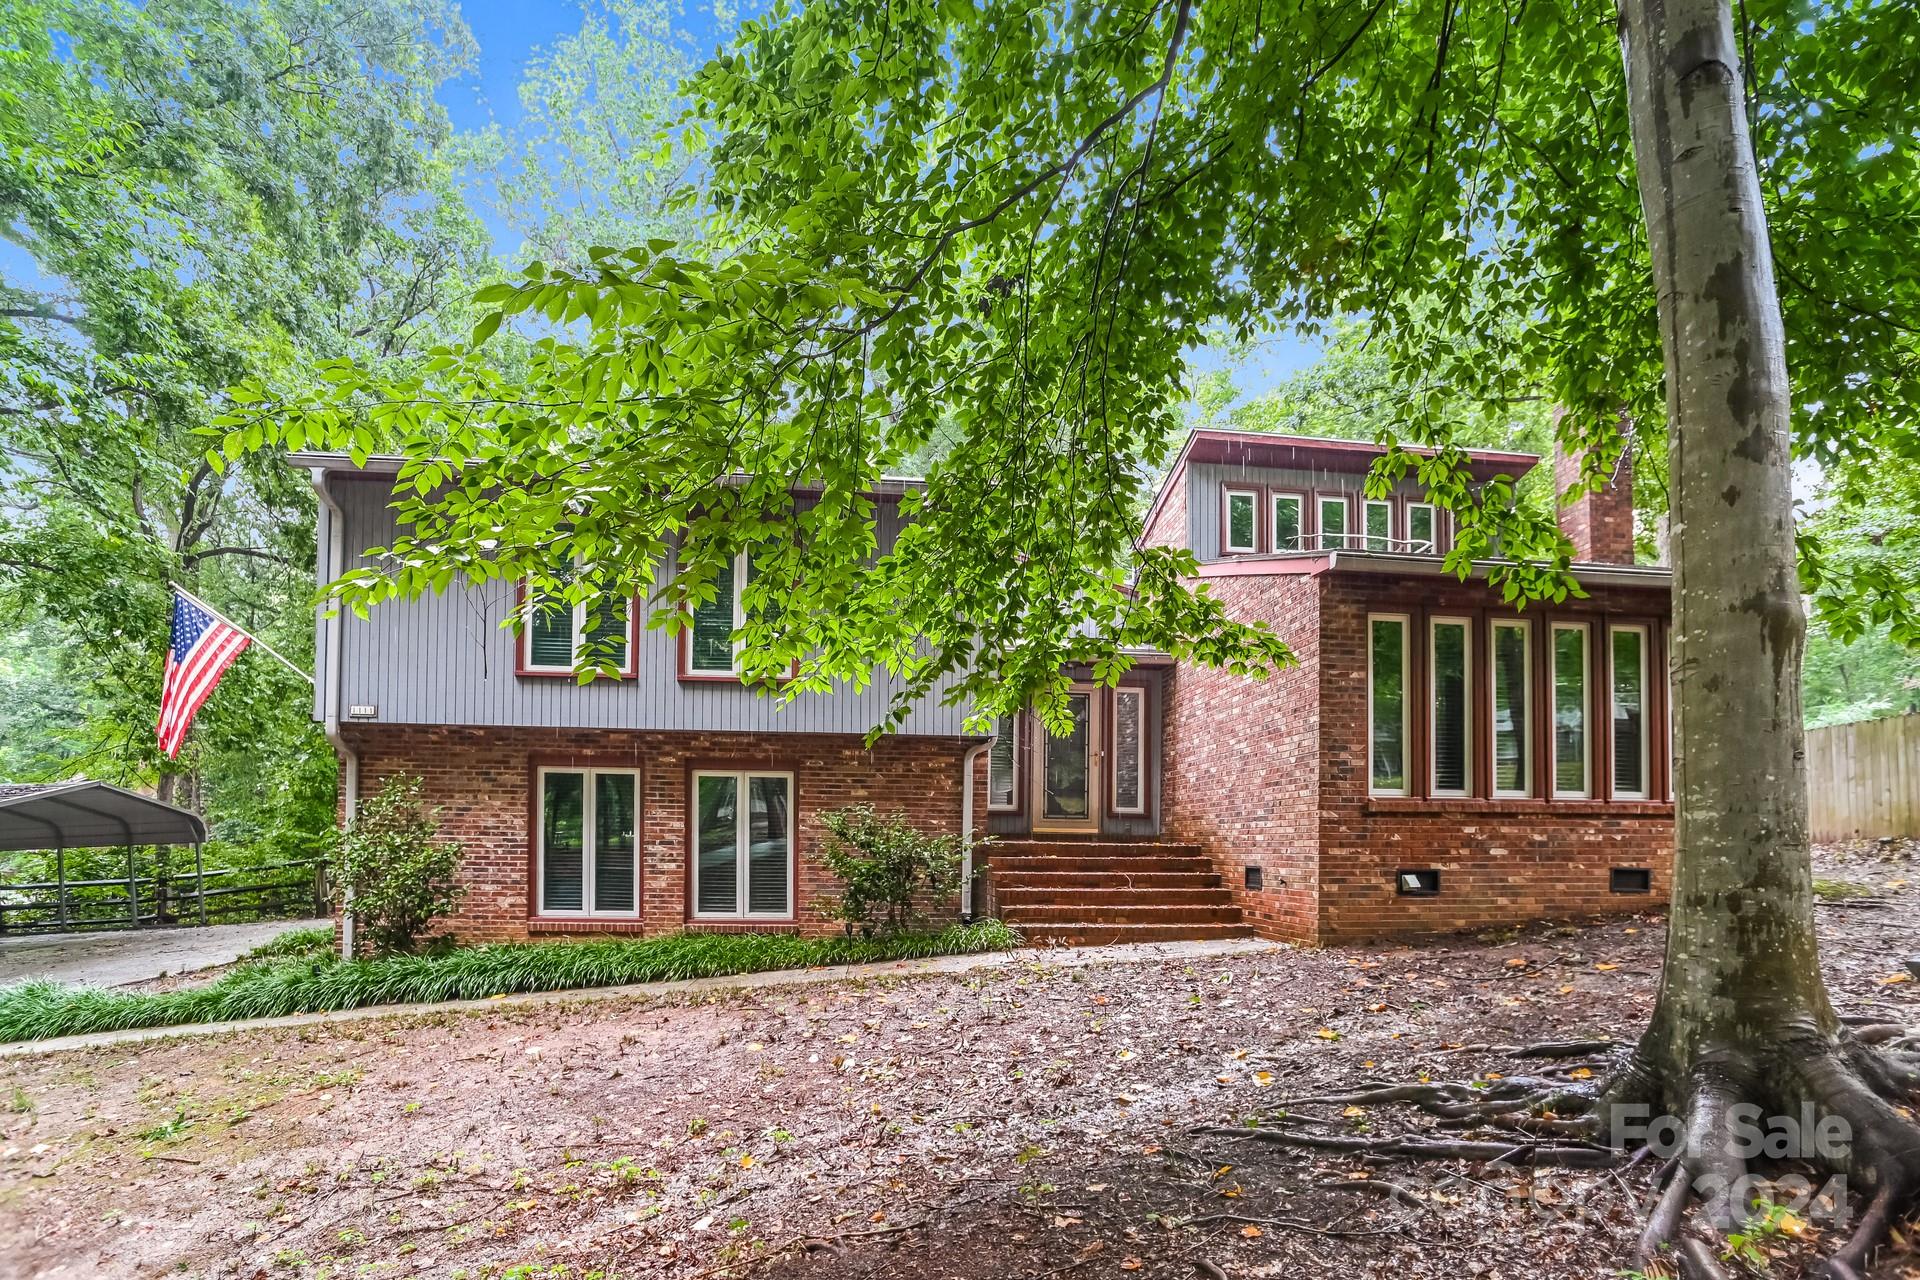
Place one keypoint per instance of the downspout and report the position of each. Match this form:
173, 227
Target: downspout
966, 829
333, 554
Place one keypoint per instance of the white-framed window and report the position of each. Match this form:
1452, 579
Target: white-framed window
1332, 513
1423, 529
1627, 659
1003, 766
1288, 510
712, 647
1387, 704
587, 842
743, 835
1240, 521
1129, 749
1571, 749
1379, 517
559, 637
1512, 691
1450, 718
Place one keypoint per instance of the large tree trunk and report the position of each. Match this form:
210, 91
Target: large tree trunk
1741, 970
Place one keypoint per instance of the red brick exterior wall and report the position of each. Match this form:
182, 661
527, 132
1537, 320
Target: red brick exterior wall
1600, 525
1169, 527
1241, 774
1500, 861
481, 779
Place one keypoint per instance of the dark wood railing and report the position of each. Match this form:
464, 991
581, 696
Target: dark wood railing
298, 888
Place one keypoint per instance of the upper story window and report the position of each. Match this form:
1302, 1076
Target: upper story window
1333, 523
711, 649
1422, 529
1240, 529
560, 637
1379, 525
1288, 510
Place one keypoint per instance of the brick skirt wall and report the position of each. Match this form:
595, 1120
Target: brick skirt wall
481, 780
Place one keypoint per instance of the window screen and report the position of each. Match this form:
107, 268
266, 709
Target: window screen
1450, 646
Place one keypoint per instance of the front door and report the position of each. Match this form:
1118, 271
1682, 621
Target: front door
1067, 783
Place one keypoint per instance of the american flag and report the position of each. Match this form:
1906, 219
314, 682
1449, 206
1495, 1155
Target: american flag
204, 646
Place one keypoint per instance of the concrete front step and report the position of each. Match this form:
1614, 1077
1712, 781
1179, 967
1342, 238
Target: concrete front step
1100, 935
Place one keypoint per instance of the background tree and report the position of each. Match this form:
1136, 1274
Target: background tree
1018, 221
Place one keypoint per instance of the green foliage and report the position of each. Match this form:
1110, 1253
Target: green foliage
886, 865
306, 944
38, 1010
391, 871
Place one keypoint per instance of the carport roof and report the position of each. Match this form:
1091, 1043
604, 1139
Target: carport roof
89, 815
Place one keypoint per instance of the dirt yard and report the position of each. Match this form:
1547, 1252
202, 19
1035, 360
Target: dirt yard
1028, 1122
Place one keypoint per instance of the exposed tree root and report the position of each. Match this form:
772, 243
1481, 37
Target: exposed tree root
1835, 1101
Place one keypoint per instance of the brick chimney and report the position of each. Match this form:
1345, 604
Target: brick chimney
1600, 525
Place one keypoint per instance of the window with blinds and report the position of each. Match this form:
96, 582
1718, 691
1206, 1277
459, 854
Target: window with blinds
1003, 765
563, 637
1387, 705
1379, 525
1286, 521
1570, 709
1129, 750
1451, 732
710, 647
1628, 653
1512, 708
743, 845
588, 850
1242, 522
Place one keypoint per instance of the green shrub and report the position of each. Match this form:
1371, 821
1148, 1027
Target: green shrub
273, 988
398, 877
305, 943
886, 865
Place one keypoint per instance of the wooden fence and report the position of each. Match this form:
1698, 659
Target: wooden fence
1863, 780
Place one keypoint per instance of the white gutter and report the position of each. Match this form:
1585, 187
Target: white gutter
966, 829
334, 553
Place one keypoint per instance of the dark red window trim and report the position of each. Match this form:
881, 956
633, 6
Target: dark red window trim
521, 660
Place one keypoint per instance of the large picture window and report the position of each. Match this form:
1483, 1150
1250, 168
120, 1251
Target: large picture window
1241, 533
1379, 525
711, 648
588, 863
1627, 653
1570, 748
1287, 508
1512, 709
1449, 660
1130, 750
1003, 765
1387, 704
560, 637
1333, 523
743, 832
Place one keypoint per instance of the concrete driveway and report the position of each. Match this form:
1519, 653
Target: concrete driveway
115, 959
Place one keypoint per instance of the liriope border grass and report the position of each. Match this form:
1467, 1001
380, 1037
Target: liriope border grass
274, 987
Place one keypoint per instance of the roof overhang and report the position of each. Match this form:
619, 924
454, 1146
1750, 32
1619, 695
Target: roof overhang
1654, 577
388, 466
90, 815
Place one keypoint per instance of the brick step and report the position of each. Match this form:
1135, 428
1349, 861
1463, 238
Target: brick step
1084, 914
1000, 866
1090, 848
1101, 902
1104, 878
1101, 935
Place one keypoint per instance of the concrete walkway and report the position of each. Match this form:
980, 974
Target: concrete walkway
1053, 957
118, 958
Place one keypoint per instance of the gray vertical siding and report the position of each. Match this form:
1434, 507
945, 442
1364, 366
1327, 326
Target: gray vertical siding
446, 659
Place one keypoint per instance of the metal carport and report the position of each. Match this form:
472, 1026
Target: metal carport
59, 816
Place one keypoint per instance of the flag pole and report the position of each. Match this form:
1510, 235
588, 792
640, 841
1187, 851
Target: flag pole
271, 651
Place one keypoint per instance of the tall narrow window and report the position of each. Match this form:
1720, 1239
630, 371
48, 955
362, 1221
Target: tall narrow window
1387, 705
1379, 525
560, 637
1286, 521
742, 845
1333, 523
1628, 652
1130, 750
1421, 537
1002, 765
588, 842
1512, 709
1570, 770
1449, 660
1242, 531
711, 649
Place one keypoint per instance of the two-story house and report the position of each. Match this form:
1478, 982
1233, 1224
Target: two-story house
1435, 761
